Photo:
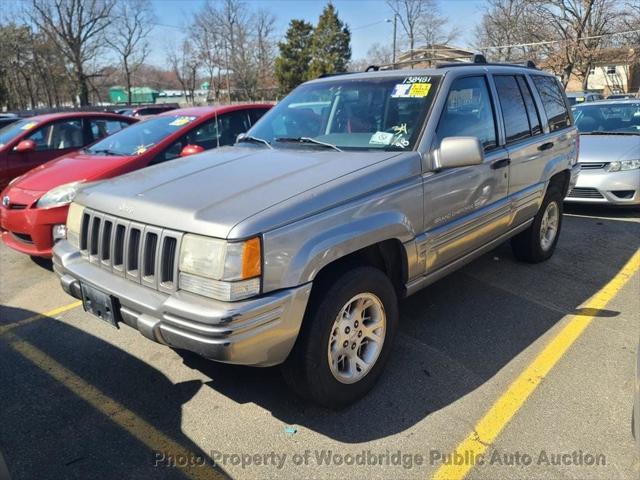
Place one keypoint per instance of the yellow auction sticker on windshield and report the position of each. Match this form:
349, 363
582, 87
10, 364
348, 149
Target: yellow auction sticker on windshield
180, 121
419, 90
29, 126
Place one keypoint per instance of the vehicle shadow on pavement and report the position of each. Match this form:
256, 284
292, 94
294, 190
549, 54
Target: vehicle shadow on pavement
48, 430
455, 335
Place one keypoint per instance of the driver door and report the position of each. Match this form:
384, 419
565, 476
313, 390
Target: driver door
466, 207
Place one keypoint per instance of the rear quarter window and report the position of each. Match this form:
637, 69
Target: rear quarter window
553, 102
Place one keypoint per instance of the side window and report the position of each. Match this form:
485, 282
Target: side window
204, 135
255, 114
532, 110
469, 112
231, 125
514, 113
101, 127
59, 135
553, 102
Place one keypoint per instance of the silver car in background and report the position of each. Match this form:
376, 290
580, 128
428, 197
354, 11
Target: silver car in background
609, 153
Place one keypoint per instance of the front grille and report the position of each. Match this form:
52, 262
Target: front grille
142, 253
592, 166
579, 192
17, 206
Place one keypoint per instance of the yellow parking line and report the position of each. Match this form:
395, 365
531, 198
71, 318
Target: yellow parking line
51, 313
113, 410
503, 410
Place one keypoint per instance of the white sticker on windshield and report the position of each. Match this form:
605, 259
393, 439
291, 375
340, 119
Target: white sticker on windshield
401, 90
381, 138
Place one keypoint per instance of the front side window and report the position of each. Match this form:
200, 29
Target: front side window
141, 136
469, 112
59, 135
553, 102
514, 112
101, 127
594, 119
373, 114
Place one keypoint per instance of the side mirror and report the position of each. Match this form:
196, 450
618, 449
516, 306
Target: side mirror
458, 152
25, 146
191, 150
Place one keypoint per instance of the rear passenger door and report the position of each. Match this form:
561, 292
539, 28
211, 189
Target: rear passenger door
466, 207
525, 144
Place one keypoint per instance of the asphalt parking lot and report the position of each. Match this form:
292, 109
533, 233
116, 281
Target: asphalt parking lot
485, 359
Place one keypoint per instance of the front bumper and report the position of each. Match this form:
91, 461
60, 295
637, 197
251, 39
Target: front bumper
606, 188
29, 230
259, 331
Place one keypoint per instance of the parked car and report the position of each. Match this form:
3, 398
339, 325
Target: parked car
582, 97
146, 110
294, 246
32, 141
34, 208
609, 153
7, 118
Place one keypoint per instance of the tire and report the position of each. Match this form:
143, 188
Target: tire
307, 370
529, 245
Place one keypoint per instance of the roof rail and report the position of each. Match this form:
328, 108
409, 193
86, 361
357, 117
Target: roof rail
335, 74
479, 59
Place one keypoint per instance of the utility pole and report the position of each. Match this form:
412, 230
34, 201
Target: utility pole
395, 29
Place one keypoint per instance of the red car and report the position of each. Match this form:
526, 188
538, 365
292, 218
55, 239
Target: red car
34, 207
30, 142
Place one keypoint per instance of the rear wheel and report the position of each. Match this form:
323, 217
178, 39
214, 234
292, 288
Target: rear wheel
538, 242
345, 339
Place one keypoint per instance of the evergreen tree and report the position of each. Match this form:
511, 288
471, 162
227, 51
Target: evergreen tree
292, 65
331, 45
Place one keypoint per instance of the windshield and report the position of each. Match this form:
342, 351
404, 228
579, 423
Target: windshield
140, 137
621, 118
372, 114
14, 129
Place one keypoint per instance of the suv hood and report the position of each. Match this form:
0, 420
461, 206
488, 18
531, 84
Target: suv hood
212, 192
608, 148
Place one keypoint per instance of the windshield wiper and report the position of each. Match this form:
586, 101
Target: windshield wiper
104, 151
609, 133
307, 140
252, 139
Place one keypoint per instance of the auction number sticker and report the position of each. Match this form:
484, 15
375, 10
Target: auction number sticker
412, 87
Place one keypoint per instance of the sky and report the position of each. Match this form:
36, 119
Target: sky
366, 19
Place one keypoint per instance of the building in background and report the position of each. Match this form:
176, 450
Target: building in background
118, 95
614, 70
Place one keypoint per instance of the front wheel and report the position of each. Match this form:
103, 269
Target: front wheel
538, 242
345, 339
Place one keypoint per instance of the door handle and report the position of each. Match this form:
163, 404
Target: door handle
500, 163
545, 146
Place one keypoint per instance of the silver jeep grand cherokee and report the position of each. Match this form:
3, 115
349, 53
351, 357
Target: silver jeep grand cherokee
294, 246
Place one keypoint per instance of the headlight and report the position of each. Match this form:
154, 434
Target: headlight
74, 224
219, 269
623, 165
59, 196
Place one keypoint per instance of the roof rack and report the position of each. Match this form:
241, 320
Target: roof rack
479, 59
335, 74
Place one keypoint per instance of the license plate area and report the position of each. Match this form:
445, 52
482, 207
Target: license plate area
99, 304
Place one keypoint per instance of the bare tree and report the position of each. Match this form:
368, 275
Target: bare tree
579, 26
77, 27
132, 24
409, 13
208, 40
184, 63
